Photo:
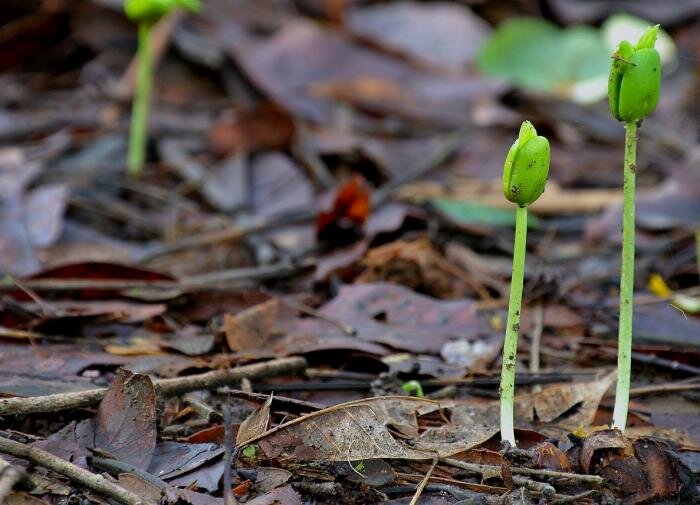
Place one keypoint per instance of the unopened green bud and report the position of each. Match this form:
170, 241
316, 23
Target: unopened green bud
634, 84
526, 168
151, 11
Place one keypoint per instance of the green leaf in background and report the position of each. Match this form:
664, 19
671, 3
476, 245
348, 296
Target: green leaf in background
472, 213
571, 62
538, 55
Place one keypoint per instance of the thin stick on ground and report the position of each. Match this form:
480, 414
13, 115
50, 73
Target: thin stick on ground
424, 482
559, 499
166, 387
87, 479
550, 474
203, 410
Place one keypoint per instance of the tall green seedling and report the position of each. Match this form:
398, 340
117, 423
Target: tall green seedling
525, 173
634, 87
146, 13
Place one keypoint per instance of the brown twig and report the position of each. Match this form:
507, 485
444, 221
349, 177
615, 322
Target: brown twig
532, 485
203, 410
364, 384
652, 359
663, 388
559, 499
471, 486
232, 233
92, 481
27, 334
550, 474
423, 483
167, 387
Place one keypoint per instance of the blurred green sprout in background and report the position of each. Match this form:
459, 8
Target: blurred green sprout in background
571, 63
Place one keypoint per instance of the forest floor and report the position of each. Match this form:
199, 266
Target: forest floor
321, 222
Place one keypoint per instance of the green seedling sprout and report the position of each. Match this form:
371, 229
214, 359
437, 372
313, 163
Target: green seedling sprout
413, 388
525, 173
633, 90
249, 451
146, 13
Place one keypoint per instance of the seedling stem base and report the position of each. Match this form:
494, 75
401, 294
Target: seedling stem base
624, 350
510, 343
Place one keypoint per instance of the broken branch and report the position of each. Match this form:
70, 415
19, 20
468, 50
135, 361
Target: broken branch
167, 387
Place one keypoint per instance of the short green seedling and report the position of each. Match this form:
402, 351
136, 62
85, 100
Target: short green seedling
525, 173
146, 13
413, 388
634, 87
249, 451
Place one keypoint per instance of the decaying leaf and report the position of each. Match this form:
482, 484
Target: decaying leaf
417, 265
555, 403
641, 471
279, 496
24, 499
173, 459
151, 493
250, 328
264, 127
360, 430
255, 424
268, 478
125, 423
437, 33
395, 316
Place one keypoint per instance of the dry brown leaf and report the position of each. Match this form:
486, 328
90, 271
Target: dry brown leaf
250, 328
396, 316
125, 422
417, 265
554, 402
143, 489
556, 408
24, 499
266, 127
255, 424
279, 496
359, 430
268, 478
